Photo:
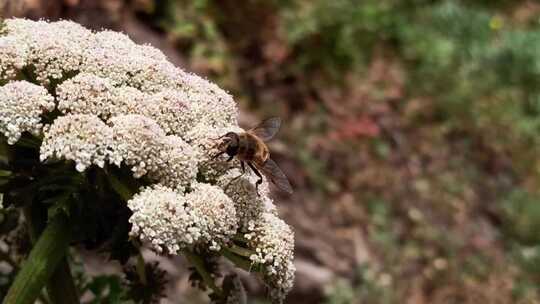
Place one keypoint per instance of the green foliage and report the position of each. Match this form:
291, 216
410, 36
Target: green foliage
522, 215
340, 293
482, 73
335, 33
371, 287
478, 66
191, 26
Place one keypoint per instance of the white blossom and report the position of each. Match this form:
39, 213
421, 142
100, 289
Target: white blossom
240, 187
172, 110
22, 104
84, 139
54, 48
90, 94
138, 143
115, 56
86, 94
169, 220
13, 56
214, 212
215, 107
177, 163
161, 220
272, 240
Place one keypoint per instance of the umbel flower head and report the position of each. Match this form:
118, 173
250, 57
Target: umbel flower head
99, 101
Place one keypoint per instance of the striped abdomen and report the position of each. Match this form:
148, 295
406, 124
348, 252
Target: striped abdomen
251, 148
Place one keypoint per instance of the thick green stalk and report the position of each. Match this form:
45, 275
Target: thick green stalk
60, 287
41, 264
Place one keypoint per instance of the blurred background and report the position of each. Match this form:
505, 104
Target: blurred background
411, 133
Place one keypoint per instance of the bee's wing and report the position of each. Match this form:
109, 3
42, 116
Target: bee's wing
267, 129
271, 170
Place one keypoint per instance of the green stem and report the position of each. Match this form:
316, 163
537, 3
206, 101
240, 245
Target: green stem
198, 263
237, 260
141, 268
4, 256
240, 251
61, 287
120, 188
42, 262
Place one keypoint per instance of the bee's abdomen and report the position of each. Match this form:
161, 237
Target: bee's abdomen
246, 147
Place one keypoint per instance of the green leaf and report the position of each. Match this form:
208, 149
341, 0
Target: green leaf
40, 265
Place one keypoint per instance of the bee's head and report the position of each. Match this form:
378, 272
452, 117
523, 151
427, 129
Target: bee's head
230, 143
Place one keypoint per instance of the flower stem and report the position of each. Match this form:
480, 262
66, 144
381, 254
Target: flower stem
61, 288
141, 268
237, 260
41, 264
198, 263
121, 188
240, 251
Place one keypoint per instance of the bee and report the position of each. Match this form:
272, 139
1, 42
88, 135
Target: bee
250, 147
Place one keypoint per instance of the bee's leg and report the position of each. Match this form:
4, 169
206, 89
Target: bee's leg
237, 177
230, 158
218, 155
215, 140
258, 175
218, 138
243, 165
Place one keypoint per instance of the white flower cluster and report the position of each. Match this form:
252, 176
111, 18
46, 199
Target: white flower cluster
273, 242
12, 57
169, 221
56, 49
53, 49
22, 104
214, 212
240, 188
133, 139
84, 139
172, 109
138, 142
99, 99
113, 55
161, 220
